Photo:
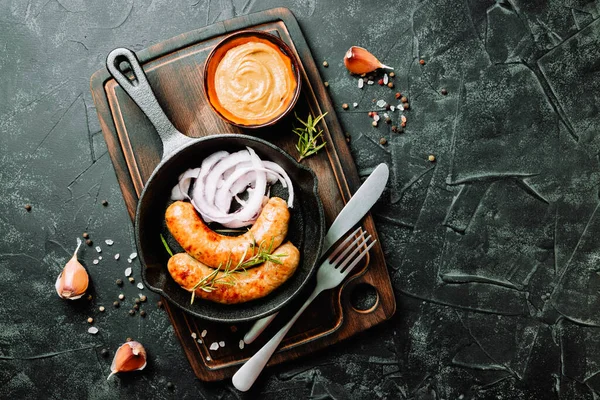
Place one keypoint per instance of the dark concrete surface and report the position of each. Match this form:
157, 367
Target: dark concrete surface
493, 249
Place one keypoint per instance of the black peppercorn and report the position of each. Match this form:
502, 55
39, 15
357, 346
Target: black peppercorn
142, 313
89, 242
119, 282
116, 304
131, 312
444, 92
170, 385
104, 203
136, 306
28, 207
104, 352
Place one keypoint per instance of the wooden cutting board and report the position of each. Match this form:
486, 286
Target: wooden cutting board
174, 68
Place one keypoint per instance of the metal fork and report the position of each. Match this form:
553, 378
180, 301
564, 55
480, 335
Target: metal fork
330, 274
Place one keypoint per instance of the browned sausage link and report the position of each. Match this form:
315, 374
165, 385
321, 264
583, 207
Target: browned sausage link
213, 249
249, 285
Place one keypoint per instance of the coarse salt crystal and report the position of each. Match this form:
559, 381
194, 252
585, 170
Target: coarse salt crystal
361, 83
241, 344
385, 79
133, 256
109, 242
99, 257
354, 105
214, 346
194, 335
129, 260
222, 343
386, 115
199, 341
392, 108
370, 82
203, 333
98, 249
140, 286
381, 103
95, 262
208, 358
117, 256
376, 117
128, 271
93, 330
400, 107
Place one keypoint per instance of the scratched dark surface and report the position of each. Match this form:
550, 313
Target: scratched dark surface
493, 249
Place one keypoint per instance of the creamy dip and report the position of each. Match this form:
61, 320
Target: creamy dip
255, 82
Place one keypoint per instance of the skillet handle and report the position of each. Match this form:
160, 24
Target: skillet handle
141, 93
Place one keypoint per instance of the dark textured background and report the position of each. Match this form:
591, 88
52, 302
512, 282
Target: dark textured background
493, 249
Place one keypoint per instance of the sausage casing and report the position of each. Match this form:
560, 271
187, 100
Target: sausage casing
248, 285
215, 250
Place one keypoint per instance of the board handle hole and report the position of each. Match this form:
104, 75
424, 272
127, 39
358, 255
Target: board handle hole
364, 298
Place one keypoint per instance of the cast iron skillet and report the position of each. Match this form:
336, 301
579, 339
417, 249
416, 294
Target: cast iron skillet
180, 152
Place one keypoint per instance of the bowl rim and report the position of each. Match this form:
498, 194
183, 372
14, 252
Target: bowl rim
225, 137
285, 49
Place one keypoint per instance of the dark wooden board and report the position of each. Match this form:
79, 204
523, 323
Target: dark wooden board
174, 69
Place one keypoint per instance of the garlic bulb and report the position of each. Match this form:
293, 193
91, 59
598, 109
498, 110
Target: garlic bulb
131, 356
360, 61
73, 281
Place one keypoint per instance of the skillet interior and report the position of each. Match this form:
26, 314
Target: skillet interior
306, 230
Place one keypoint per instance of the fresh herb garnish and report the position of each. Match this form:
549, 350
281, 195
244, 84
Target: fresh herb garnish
308, 136
162, 238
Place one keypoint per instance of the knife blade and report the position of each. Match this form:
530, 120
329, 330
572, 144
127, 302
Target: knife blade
359, 205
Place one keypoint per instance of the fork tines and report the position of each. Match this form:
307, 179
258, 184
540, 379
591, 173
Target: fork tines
359, 244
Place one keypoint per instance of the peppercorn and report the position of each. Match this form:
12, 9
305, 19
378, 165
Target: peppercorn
325, 64
374, 123
86, 235
403, 99
326, 84
28, 207
392, 74
132, 312
104, 203
90, 320
119, 282
431, 158
142, 313
129, 339
89, 242
444, 92
131, 279
116, 304
406, 106
380, 81
170, 385
397, 95
394, 128
390, 84
101, 308
388, 107
137, 301
159, 304
233, 328
345, 106
104, 353
422, 62
388, 120
121, 296
348, 140
89, 297
136, 306
383, 141
143, 298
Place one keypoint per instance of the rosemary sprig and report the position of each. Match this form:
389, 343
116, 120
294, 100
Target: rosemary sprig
308, 136
164, 242
208, 283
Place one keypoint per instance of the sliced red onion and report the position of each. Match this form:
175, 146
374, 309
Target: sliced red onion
180, 191
222, 177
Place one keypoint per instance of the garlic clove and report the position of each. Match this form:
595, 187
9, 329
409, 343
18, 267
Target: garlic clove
360, 61
73, 280
131, 356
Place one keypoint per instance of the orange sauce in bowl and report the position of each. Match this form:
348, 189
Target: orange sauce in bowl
251, 81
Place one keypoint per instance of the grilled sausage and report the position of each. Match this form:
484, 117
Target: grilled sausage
213, 249
248, 285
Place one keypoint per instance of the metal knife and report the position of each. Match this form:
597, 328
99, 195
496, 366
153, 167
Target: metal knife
358, 206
